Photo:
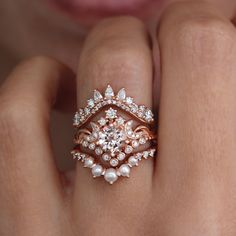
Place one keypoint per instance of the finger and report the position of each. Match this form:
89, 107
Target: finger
29, 181
197, 108
117, 53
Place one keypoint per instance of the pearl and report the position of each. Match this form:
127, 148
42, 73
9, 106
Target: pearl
88, 162
110, 175
133, 161
97, 170
124, 170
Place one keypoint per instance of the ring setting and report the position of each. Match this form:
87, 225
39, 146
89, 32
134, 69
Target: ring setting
113, 134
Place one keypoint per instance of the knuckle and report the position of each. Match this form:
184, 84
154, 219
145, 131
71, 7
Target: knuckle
201, 27
205, 29
38, 62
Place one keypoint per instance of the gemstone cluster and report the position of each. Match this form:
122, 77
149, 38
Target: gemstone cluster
110, 144
121, 100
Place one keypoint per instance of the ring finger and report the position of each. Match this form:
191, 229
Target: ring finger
116, 52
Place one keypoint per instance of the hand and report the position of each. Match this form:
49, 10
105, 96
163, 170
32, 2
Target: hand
190, 188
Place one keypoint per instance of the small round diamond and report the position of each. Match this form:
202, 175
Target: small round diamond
91, 103
142, 140
128, 149
114, 162
106, 157
98, 151
85, 144
102, 121
91, 146
121, 156
135, 144
129, 100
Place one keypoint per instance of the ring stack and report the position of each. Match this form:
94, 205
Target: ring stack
106, 141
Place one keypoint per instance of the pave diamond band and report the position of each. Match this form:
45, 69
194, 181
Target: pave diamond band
112, 144
120, 100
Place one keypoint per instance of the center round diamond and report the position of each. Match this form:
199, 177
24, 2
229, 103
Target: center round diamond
111, 138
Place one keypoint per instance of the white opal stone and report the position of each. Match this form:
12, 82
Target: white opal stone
97, 170
91, 146
124, 170
109, 93
88, 162
110, 175
121, 94
133, 161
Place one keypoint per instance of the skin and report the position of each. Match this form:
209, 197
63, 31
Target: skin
188, 190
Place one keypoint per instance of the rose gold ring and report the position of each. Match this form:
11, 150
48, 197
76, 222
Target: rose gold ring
113, 134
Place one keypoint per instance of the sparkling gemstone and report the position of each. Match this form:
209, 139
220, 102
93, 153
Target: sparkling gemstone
109, 92
121, 94
102, 121
124, 170
88, 162
106, 157
121, 156
110, 175
133, 161
129, 100
98, 151
76, 156
114, 162
86, 111
135, 144
111, 138
111, 113
142, 108
97, 170
128, 149
142, 140
139, 156
145, 154
91, 146
91, 103
149, 115
85, 143
120, 121
76, 118
97, 96
134, 108
152, 153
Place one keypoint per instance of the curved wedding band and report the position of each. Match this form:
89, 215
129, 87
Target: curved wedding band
111, 144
